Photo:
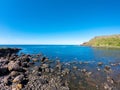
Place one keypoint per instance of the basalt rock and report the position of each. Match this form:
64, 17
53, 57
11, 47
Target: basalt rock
4, 71
13, 66
14, 73
10, 51
45, 83
20, 73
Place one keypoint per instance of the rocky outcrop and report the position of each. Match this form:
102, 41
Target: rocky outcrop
20, 72
8, 51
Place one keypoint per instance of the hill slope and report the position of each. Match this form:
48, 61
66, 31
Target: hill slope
104, 41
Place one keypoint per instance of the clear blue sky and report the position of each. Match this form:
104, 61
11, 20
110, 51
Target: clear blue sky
57, 21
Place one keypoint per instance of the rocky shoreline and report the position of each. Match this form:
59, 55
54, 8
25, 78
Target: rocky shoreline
8, 51
20, 72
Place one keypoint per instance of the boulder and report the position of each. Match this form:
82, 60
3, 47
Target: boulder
13, 66
14, 73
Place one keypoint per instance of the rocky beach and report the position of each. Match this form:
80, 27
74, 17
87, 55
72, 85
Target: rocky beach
59, 44
20, 72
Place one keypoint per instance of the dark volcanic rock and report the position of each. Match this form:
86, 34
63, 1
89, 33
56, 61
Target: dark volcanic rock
10, 51
4, 71
44, 82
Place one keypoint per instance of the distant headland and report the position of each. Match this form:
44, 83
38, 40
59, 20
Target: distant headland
111, 41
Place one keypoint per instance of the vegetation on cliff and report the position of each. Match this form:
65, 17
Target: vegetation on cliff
104, 41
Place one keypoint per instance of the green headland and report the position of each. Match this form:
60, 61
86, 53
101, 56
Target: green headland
112, 41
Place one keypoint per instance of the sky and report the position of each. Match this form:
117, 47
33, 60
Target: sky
57, 21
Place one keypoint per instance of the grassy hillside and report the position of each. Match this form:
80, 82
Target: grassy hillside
104, 41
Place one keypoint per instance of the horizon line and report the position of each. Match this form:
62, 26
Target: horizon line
39, 44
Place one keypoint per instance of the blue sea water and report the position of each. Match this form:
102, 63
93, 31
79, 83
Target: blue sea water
70, 53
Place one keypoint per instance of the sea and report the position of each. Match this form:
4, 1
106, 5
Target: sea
71, 53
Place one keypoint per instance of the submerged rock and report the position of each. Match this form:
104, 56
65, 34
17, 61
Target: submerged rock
107, 69
100, 63
88, 74
98, 69
34, 59
75, 67
83, 70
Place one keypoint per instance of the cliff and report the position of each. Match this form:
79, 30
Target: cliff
104, 41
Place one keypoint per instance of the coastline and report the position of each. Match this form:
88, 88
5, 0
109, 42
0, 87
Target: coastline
20, 72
